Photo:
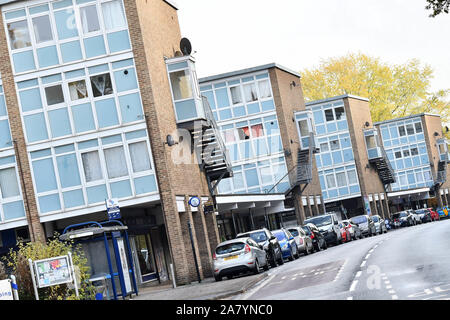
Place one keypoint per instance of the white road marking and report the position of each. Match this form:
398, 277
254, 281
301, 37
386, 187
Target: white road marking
391, 291
367, 257
358, 274
353, 286
350, 298
363, 263
389, 287
293, 278
394, 297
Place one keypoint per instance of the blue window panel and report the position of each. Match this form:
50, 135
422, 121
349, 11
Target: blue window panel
348, 155
395, 142
61, 4
131, 107
47, 56
233, 152
136, 134
254, 191
404, 140
98, 68
186, 110
65, 24
262, 76
333, 193
225, 186
248, 79
205, 88
15, 14
88, 144
176, 66
271, 127
420, 137
422, 149
343, 191
123, 63
318, 117
267, 105
394, 167
342, 125
83, 118
125, 82
24, 61
96, 194
145, 184
13, 210
216, 117
74, 73
2, 106
39, 9
121, 189
318, 161
400, 164
68, 170
245, 150
222, 98
408, 163
326, 160
112, 139
424, 159
71, 51
7, 160
118, 41
416, 161
225, 114
412, 138
260, 147
5, 135
41, 153
275, 144
59, 122
106, 113
331, 127
233, 82
49, 203
30, 99
220, 85
238, 181
324, 195
354, 189
283, 187
321, 129
385, 133
239, 112
394, 132
65, 149
52, 78
251, 177
346, 142
387, 143
411, 178
36, 127
94, 46
73, 198
253, 108
210, 97
337, 157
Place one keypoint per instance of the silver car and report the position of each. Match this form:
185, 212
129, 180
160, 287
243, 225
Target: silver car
304, 242
380, 226
238, 256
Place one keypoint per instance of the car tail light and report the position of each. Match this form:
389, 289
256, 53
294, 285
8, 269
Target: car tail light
312, 236
247, 249
214, 256
301, 241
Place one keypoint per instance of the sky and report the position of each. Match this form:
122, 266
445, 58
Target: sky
228, 35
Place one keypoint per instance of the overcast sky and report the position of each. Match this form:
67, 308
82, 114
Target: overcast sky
229, 35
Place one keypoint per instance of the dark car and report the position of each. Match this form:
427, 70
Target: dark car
316, 236
402, 219
269, 242
424, 215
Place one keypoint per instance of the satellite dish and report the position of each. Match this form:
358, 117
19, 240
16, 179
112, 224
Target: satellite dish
185, 46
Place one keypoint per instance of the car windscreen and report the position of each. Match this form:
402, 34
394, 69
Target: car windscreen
230, 247
294, 232
359, 219
307, 231
280, 235
320, 221
421, 211
399, 215
375, 219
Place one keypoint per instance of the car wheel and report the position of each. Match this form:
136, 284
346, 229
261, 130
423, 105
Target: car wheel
218, 278
306, 250
266, 266
281, 260
291, 257
229, 277
319, 247
325, 245
256, 270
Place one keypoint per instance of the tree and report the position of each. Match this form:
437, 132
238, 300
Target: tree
438, 6
393, 90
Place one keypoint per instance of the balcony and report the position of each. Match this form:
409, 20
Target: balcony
377, 157
444, 159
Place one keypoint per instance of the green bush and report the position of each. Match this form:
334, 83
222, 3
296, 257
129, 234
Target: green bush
17, 260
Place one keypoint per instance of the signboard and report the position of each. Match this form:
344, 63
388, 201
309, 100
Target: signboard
113, 209
53, 271
194, 202
124, 263
367, 205
208, 207
6, 292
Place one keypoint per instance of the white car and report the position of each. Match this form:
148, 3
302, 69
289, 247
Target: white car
415, 216
239, 256
304, 242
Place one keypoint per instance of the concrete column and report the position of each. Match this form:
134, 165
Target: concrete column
316, 206
387, 211
381, 206
204, 245
309, 206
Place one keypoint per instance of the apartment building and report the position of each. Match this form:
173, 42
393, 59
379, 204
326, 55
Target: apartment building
95, 98
254, 109
418, 152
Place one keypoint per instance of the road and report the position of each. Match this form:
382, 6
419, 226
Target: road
408, 263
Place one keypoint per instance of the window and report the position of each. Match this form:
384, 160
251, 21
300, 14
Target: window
398, 154
324, 147
334, 144
115, 162
418, 126
78, 90
140, 159
410, 129
303, 126
91, 166
89, 19
181, 85
331, 182
236, 97
340, 113
42, 29
264, 89
19, 36
341, 179
352, 178
329, 115
8, 183
250, 92
101, 85
414, 151
229, 136
54, 95
401, 131
371, 142
257, 130
405, 153
243, 133
113, 15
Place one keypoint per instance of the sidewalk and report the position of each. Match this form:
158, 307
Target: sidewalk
208, 289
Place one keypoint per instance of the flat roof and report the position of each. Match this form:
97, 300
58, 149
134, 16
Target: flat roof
170, 2
248, 70
335, 98
407, 117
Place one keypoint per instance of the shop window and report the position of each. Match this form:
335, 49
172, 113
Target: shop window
78, 90
101, 85
91, 166
19, 35
54, 95
89, 19
42, 29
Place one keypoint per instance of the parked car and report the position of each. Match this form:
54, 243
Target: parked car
443, 212
365, 223
434, 214
355, 231
328, 225
269, 242
388, 223
287, 243
380, 226
303, 241
402, 219
415, 216
238, 256
316, 236
424, 215
346, 236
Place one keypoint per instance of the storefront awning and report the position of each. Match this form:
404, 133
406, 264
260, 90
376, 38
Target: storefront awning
259, 204
408, 192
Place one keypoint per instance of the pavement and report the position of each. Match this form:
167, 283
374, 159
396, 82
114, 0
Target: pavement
208, 289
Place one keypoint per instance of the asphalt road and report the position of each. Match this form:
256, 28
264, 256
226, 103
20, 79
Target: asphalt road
408, 263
